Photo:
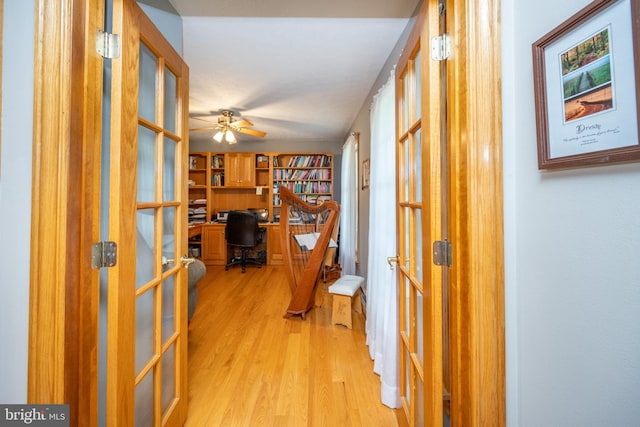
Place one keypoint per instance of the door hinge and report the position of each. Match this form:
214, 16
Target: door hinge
104, 254
108, 45
440, 47
442, 253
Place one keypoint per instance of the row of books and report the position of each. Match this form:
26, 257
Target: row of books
217, 162
217, 179
304, 161
302, 174
312, 199
304, 186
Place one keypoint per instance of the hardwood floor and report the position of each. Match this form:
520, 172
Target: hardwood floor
249, 366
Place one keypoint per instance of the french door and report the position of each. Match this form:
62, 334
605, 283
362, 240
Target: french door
422, 189
147, 289
449, 226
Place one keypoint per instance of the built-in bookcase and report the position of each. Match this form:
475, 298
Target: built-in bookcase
228, 181
309, 175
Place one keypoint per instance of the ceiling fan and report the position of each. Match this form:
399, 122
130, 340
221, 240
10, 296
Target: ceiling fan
227, 125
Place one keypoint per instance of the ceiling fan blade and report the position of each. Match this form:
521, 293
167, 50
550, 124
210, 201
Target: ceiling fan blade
241, 123
252, 132
205, 128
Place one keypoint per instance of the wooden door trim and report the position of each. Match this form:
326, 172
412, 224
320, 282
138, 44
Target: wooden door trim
62, 365
476, 213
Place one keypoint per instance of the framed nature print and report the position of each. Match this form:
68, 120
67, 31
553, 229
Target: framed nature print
365, 174
586, 75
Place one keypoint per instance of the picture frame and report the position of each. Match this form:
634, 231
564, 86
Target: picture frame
365, 174
586, 77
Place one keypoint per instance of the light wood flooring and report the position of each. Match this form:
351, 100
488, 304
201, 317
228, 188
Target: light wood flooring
249, 366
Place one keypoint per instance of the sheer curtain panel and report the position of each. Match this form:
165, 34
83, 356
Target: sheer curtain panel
349, 206
382, 306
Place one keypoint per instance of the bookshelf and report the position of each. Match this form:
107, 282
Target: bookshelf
309, 175
228, 181
217, 170
197, 181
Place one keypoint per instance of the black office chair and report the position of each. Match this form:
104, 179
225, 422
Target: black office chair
242, 231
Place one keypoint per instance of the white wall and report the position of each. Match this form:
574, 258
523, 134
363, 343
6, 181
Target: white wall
15, 198
572, 241
166, 19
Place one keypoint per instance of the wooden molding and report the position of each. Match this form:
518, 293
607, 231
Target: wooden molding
476, 226
65, 207
49, 203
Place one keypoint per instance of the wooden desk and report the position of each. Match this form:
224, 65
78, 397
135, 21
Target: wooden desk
214, 244
194, 230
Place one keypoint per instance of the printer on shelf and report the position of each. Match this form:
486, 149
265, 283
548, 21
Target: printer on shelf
221, 216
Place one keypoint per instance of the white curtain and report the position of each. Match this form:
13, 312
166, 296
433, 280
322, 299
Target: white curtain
382, 311
349, 206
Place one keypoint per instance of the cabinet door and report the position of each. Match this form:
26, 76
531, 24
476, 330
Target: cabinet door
274, 250
214, 245
240, 170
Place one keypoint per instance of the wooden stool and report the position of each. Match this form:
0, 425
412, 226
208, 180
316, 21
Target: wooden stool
343, 291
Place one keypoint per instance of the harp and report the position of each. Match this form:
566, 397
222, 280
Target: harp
305, 236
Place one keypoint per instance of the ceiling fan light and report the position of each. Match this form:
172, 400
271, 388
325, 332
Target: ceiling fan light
218, 136
230, 137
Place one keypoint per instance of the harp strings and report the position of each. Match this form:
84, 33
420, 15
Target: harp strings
302, 222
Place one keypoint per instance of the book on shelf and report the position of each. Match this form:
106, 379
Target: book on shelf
217, 161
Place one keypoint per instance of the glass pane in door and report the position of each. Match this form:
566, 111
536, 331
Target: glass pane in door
168, 377
146, 164
168, 308
417, 155
144, 401
420, 328
419, 402
147, 84
408, 290
407, 236
145, 246
407, 373
168, 235
169, 188
407, 167
405, 104
170, 96
145, 319
418, 85
419, 273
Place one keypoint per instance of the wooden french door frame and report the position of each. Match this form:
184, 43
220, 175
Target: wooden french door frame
65, 207
475, 223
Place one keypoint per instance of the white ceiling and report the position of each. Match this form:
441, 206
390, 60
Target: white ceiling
297, 69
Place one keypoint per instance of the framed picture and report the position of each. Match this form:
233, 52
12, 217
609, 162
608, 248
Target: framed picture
585, 76
365, 174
